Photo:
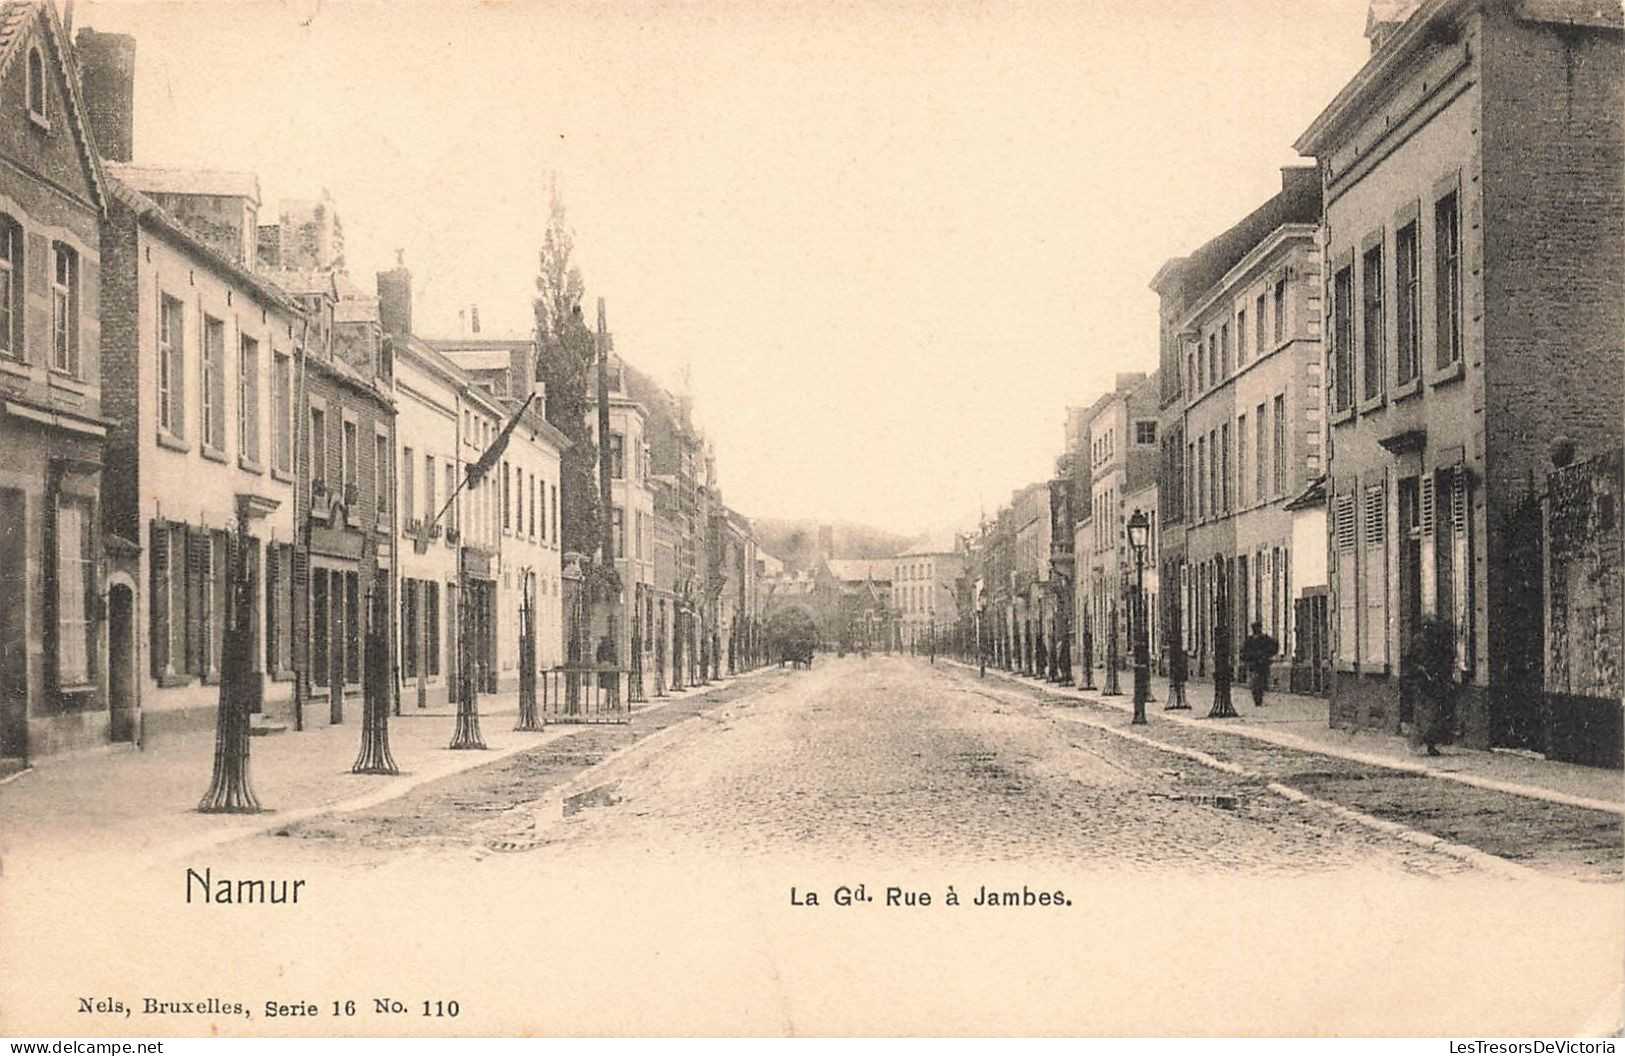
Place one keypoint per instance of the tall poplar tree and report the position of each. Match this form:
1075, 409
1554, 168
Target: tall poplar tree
566, 365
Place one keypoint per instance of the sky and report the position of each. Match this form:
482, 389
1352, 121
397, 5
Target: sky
886, 244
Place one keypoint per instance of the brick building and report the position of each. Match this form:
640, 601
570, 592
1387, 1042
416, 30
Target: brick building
1238, 329
201, 358
1251, 419
66, 582
1474, 262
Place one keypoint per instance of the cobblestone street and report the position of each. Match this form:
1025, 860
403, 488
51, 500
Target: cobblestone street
891, 758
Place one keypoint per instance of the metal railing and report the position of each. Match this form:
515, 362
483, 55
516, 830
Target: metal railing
587, 693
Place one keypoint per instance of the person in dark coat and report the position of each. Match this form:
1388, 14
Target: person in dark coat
606, 658
1257, 653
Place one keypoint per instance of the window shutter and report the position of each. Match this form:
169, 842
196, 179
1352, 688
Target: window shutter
158, 596
1427, 516
1375, 626
1345, 585
197, 566
1461, 562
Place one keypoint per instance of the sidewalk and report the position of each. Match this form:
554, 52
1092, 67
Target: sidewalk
1300, 722
130, 801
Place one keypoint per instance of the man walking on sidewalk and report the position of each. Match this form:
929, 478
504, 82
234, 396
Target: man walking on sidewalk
1257, 652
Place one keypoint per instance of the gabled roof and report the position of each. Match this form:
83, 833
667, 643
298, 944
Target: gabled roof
1313, 494
14, 19
163, 179
153, 215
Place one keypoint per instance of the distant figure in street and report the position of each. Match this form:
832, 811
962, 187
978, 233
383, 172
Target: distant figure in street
1257, 652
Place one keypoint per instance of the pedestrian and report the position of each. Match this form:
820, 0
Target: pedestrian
1429, 665
606, 658
1257, 653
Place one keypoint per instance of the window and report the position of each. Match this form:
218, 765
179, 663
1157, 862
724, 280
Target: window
11, 287
1280, 310
1261, 478
36, 84
1213, 472
430, 506
348, 456
1279, 461
248, 399
1372, 322
637, 538
1241, 460
1212, 359
75, 593
532, 532
1374, 629
617, 524
617, 456
506, 523
411, 630
279, 607
282, 413
431, 627
1241, 338
380, 472
1190, 363
352, 627
212, 422
555, 504
1224, 467
321, 635
1407, 306
64, 309
1226, 364
408, 483
1261, 341
318, 445
1447, 279
1145, 432
1192, 491
451, 489
1202, 505
171, 367
1343, 339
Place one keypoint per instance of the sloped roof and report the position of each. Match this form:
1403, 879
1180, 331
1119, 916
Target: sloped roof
158, 179
152, 214
856, 570
14, 18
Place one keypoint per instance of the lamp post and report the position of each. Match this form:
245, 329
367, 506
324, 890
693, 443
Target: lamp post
1139, 530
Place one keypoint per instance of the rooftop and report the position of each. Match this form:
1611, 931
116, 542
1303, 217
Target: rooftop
156, 179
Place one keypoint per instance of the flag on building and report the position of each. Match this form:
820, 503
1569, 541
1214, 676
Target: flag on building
479, 469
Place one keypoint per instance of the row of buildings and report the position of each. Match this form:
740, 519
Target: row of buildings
1392, 393
189, 387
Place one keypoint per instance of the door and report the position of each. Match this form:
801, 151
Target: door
13, 628
121, 701
1410, 590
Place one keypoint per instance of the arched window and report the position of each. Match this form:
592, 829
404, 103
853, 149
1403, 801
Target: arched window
36, 83
11, 287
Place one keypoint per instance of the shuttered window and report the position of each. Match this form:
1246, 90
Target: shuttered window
1346, 585
1374, 584
212, 422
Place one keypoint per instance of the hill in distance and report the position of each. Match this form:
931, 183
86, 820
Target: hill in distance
795, 542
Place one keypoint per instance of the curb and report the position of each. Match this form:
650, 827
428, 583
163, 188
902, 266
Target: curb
1302, 744
404, 783
1427, 841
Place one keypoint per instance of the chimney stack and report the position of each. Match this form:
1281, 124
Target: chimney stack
107, 78
395, 298
474, 318
521, 370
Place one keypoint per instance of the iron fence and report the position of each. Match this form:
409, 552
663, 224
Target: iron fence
584, 693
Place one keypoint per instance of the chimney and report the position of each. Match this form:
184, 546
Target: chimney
474, 318
395, 298
107, 78
521, 370
540, 389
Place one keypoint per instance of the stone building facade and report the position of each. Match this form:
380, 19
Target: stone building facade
1474, 269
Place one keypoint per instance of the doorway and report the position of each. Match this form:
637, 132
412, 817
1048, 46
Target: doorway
13, 629
121, 702
1410, 590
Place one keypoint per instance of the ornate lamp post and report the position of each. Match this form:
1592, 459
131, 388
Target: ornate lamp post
1139, 531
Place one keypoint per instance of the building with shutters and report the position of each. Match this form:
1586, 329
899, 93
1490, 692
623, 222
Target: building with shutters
512, 544
1239, 392
1474, 277
925, 578
66, 581
202, 359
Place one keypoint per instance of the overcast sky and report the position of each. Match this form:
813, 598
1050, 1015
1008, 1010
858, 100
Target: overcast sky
890, 243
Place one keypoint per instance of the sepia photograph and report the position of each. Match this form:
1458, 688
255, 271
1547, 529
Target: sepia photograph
549, 519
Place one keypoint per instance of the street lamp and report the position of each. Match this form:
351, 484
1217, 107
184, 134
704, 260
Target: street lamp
1139, 531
